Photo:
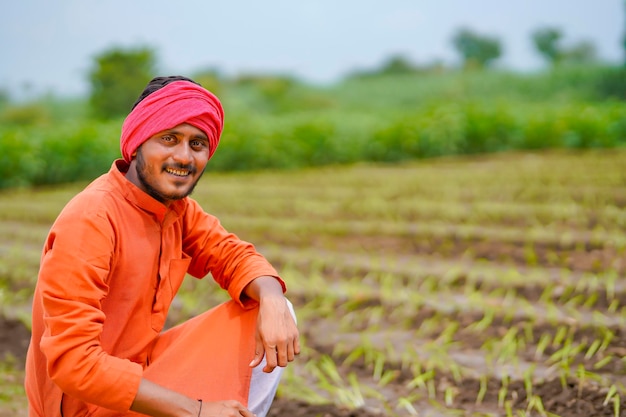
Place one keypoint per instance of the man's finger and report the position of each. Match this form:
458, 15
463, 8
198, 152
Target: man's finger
283, 356
290, 352
296, 346
258, 356
271, 358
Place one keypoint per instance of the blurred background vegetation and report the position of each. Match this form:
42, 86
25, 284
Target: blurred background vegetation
395, 112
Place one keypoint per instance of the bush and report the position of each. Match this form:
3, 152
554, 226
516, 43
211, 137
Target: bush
385, 119
77, 154
37, 156
19, 161
611, 83
25, 115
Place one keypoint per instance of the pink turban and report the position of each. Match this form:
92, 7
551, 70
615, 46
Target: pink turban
176, 103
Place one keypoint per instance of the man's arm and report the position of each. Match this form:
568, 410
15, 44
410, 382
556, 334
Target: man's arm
277, 334
157, 401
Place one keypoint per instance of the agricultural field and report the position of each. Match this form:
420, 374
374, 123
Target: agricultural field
476, 286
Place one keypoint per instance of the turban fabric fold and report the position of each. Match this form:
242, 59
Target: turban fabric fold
176, 103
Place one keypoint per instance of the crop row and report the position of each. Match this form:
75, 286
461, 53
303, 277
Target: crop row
490, 285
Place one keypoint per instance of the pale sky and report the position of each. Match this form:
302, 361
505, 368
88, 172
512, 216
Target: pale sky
48, 46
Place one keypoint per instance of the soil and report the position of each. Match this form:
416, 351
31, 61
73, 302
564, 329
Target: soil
14, 339
569, 398
489, 386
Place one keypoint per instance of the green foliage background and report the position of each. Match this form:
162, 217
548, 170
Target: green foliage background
116, 76
280, 123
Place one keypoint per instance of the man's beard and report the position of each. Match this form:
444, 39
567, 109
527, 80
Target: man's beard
143, 177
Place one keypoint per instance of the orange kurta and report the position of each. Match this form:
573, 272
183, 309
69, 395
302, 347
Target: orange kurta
111, 266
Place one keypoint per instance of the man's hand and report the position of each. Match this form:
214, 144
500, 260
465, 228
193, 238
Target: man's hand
277, 334
157, 401
225, 409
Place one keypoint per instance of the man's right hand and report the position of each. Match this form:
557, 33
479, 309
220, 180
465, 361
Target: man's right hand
225, 409
157, 401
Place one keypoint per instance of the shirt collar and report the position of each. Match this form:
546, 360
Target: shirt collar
140, 198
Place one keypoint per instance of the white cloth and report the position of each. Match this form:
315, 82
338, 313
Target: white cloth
263, 386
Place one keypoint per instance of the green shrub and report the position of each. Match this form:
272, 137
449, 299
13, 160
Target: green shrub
487, 129
271, 125
19, 161
25, 115
611, 83
77, 154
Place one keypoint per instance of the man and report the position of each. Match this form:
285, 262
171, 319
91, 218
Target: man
113, 262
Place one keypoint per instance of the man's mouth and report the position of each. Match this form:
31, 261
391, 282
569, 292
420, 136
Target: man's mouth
179, 172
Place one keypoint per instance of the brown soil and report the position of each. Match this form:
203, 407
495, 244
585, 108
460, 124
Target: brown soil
565, 398
14, 339
569, 398
412, 257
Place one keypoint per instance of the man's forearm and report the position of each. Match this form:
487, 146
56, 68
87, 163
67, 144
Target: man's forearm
263, 286
157, 401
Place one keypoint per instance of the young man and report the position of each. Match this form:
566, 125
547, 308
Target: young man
113, 262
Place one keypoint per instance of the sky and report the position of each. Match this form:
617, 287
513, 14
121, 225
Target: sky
49, 46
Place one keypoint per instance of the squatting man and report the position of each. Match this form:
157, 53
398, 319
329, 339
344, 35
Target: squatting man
115, 258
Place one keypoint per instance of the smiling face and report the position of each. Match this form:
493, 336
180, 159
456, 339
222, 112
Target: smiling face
169, 164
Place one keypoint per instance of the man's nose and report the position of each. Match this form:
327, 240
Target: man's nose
183, 153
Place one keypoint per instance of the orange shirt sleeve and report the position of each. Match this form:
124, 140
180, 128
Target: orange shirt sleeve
73, 283
232, 262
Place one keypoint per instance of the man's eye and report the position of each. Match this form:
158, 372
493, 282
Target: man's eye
198, 144
168, 138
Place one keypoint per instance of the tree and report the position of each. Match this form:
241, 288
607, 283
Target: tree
476, 50
584, 52
117, 77
546, 42
397, 64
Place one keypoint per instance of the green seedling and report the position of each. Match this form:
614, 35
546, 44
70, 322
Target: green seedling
508, 408
379, 367
535, 403
559, 336
485, 322
591, 300
612, 308
482, 391
529, 335
613, 396
406, 403
528, 380
298, 387
503, 391
387, 377
603, 362
448, 394
420, 381
608, 336
543, 343
610, 281
593, 349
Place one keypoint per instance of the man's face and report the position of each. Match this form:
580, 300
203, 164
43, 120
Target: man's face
169, 164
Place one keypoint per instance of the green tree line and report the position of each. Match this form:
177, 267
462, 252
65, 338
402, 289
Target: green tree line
397, 112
